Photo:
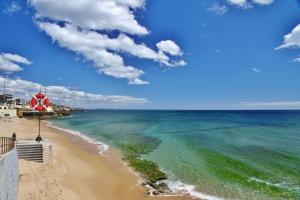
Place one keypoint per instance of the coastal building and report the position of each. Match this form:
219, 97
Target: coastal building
7, 111
7, 98
7, 105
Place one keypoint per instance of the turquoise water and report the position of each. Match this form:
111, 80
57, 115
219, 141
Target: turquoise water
224, 154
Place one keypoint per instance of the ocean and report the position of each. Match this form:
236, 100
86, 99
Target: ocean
209, 154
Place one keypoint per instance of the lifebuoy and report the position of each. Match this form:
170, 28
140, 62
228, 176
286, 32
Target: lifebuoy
40, 102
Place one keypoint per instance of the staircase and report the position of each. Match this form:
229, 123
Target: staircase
30, 151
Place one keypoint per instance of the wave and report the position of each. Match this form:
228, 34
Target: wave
283, 185
102, 147
182, 188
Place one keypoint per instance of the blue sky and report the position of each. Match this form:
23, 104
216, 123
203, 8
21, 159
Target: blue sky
212, 54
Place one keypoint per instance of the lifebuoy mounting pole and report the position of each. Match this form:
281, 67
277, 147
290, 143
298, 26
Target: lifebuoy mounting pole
39, 102
39, 138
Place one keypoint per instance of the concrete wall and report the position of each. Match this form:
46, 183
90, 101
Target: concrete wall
47, 152
7, 112
9, 176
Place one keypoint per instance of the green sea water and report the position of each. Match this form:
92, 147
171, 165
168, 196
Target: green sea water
210, 154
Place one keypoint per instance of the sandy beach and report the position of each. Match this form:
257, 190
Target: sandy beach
77, 170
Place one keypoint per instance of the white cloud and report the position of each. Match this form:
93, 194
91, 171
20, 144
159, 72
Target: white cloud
218, 8
63, 95
256, 70
98, 48
12, 8
81, 30
91, 14
296, 59
132, 3
263, 2
9, 63
278, 104
292, 39
169, 47
240, 3
249, 3
15, 58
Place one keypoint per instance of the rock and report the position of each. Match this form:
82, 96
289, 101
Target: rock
144, 183
163, 186
155, 192
154, 185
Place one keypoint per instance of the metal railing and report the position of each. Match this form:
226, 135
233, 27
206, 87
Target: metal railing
6, 144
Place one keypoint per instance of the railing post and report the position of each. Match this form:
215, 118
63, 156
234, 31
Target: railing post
1, 146
6, 145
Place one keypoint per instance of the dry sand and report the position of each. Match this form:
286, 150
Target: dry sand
77, 171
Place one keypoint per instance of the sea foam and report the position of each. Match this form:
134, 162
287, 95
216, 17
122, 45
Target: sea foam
283, 185
182, 188
102, 147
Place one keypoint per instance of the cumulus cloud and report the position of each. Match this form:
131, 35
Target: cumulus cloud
170, 47
292, 39
94, 47
218, 8
98, 48
90, 14
12, 8
263, 2
240, 3
10, 63
249, 3
132, 3
296, 59
81, 26
63, 95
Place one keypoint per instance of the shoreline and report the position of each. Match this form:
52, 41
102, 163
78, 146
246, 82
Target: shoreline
77, 171
99, 147
178, 188
105, 150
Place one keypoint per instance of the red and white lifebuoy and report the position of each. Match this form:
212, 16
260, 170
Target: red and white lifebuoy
40, 102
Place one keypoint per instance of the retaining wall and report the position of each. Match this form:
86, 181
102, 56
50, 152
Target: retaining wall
9, 175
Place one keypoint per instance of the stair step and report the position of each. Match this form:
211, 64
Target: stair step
29, 147
32, 155
33, 149
36, 160
25, 147
29, 150
29, 158
32, 152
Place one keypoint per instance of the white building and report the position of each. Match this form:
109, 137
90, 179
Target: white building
6, 111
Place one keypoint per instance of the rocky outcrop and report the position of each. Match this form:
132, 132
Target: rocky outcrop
156, 188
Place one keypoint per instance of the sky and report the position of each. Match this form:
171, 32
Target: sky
153, 54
